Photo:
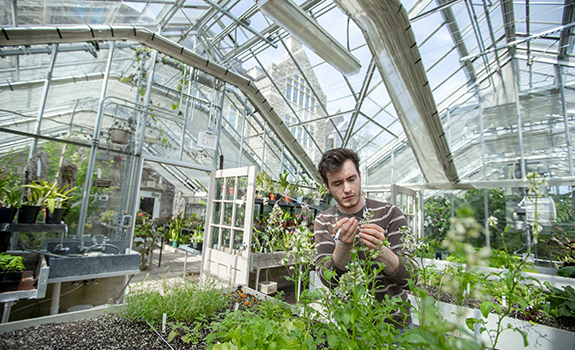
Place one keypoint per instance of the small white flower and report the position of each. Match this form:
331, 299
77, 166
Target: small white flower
492, 221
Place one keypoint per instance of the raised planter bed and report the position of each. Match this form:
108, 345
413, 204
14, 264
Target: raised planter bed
544, 337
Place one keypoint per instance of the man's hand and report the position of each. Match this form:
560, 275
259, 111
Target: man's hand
348, 228
372, 235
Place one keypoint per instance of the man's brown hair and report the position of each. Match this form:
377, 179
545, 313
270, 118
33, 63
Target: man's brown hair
333, 160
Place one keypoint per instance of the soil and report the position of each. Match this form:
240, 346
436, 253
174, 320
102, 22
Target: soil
102, 332
565, 323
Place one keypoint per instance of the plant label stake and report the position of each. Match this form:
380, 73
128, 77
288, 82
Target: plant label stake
164, 316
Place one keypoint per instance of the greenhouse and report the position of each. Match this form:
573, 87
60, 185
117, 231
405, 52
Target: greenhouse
199, 128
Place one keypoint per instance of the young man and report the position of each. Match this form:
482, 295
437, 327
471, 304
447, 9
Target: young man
339, 169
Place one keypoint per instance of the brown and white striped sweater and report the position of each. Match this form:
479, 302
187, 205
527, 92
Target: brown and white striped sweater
391, 219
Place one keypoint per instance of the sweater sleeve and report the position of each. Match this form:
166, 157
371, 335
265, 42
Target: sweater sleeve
325, 246
396, 232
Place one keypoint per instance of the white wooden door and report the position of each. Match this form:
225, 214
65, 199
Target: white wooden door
229, 220
406, 200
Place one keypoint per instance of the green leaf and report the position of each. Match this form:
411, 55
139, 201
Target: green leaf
485, 308
225, 346
471, 322
172, 335
567, 271
333, 341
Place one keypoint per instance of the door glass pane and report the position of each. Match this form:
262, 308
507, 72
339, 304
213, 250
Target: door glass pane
225, 239
219, 189
238, 241
230, 188
215, 237
240, 215
242, 187
217, 212
228, 214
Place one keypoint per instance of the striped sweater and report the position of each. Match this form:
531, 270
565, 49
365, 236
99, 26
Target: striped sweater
391, 219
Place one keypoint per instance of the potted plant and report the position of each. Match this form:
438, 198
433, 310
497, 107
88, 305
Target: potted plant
9, 200
174, 231
11, 268
9, 189
35, 194
285, 186
120, 132
198, 237
52, 197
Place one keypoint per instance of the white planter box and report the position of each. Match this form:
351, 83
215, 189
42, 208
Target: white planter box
539, 336
268, 287
554, 280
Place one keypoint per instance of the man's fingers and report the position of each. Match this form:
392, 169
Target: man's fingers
339, 225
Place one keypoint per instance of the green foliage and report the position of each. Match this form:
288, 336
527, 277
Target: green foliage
42, 192
11, 263
252, 330
561, 302
437, 213
146, 233
9, 181
182, 302
174, 230
567, 271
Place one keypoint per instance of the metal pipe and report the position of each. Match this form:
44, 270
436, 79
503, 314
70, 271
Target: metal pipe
360, 99
15, 24
218, 149
55, 302
264, 146
134, 193
484, 166
559, 69
235, 19
43, 98
94, 148
518, 112
192, 76
244, 116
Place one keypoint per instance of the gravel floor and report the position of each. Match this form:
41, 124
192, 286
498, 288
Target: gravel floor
103, 332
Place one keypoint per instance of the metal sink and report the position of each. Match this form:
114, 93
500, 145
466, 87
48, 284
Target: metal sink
72, 261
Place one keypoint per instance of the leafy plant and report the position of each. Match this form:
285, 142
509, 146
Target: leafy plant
250, 330
11, 263
175, 228
561, 302
50, 194
146, 234
182, 302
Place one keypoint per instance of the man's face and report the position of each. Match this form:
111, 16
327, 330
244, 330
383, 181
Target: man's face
345, 187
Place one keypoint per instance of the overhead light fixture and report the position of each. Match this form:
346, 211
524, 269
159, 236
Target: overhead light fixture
306, 29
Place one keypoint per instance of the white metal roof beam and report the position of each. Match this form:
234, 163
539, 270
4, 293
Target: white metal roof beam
387, 31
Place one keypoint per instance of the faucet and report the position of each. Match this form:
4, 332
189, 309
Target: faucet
97, 246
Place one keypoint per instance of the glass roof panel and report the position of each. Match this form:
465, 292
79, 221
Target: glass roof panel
443, 37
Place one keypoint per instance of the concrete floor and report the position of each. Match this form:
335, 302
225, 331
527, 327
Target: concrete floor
171, 266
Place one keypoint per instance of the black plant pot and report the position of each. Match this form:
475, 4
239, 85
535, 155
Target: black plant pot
53, 217
198, 246
27, 214
9, 281
5, 241
7, 215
